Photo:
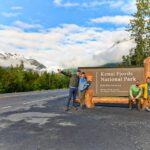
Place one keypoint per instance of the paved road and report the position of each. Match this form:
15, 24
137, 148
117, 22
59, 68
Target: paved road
36, 121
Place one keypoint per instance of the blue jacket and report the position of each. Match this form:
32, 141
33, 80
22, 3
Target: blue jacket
83, 84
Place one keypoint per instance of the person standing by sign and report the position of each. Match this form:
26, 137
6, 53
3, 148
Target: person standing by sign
83, 85
73, 87
135, 95
146, 94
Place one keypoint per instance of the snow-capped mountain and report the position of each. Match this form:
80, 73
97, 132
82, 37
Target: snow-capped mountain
115, 51
8, 59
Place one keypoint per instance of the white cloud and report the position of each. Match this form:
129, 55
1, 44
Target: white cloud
115, 4
88, 4
112, 19
126, 6
57, 2
111, 3
68, 45
24, 25
129, 7
94, 4
69, 4
4, 26
11, 14
16, 8
66, 4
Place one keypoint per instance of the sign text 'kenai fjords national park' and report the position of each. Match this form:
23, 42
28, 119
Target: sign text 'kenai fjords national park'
114, 81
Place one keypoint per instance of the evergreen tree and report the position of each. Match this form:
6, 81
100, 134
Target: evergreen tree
140, 31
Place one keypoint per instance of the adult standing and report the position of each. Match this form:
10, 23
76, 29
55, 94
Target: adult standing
73, 88
146, 94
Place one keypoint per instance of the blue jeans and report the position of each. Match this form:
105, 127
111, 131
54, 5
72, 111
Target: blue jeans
72, 94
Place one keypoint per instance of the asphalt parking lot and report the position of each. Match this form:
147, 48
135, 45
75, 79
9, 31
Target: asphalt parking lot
37, 122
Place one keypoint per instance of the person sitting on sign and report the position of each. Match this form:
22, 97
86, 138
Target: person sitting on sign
135, 95
146, 94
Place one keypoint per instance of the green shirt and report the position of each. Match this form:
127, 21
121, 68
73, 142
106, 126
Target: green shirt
135, 91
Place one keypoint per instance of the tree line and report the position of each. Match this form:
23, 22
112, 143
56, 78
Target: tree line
17, 79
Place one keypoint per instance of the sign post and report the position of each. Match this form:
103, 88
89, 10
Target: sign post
146, 68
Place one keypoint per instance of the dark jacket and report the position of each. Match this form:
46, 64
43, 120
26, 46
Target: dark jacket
74, 79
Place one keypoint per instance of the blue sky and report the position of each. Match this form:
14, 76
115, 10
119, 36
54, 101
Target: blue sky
49, 13
71, 18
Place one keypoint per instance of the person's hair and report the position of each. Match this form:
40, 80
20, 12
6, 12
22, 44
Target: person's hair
83, 73
147, 78
79, 70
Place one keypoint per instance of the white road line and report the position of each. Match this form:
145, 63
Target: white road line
6, 107
36, 101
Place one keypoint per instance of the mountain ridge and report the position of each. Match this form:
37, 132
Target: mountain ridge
13, 59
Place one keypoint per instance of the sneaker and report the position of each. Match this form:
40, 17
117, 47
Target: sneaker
84, 107
147, 109
66, 108
74, 108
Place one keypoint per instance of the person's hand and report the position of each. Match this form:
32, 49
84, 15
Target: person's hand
133, 100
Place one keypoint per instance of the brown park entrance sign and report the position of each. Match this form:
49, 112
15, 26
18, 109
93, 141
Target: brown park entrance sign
113, 81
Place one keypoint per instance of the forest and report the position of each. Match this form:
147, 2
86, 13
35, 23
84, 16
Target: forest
17, 79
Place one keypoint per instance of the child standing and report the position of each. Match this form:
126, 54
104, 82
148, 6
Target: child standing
83, 85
